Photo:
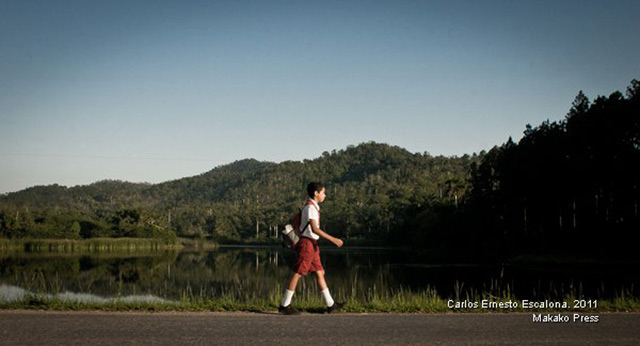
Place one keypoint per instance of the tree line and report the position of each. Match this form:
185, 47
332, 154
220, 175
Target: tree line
570, 184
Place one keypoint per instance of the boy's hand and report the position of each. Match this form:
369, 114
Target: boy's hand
338, 242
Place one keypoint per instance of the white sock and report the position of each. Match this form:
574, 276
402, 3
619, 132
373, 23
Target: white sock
286, 301
327, 297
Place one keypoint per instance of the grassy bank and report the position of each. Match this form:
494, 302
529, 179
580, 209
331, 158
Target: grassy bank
91, 245
309, 300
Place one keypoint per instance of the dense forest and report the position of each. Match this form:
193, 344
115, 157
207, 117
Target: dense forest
370, 187
569, 183
570, 186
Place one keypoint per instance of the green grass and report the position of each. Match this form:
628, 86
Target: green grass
309, 300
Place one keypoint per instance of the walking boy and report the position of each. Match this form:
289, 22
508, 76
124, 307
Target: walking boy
309, 253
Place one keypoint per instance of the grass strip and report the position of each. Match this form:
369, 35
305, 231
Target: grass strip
401, 301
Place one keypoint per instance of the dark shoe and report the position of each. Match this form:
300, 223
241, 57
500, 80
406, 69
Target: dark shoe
336, 307
288, 310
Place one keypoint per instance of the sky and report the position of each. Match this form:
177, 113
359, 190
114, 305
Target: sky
151, 91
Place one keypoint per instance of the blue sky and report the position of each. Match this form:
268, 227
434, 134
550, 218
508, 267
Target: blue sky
149, 91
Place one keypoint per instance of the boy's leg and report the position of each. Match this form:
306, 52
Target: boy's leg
316, 267
291, 289
322, 284
293, 283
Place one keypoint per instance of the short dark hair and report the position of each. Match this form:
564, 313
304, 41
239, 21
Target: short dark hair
313, 187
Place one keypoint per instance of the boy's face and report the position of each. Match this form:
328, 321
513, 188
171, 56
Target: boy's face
320, 196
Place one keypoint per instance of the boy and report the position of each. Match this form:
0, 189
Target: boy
309, 253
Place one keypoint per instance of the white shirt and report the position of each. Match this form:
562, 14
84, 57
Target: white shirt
310, 212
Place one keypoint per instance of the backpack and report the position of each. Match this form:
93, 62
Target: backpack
291, 234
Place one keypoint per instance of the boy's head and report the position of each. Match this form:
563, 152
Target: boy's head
315, 189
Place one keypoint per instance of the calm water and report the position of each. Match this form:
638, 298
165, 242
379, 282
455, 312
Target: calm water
172, 275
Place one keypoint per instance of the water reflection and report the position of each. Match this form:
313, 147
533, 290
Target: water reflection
258, 271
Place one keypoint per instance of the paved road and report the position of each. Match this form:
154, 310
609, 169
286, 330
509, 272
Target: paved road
104, 328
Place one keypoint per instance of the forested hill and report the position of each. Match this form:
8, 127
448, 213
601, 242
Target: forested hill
567, 186
369, 187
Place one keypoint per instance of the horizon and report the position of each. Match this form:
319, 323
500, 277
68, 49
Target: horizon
133, 91
233, 162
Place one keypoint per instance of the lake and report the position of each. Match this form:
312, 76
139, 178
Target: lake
256, 271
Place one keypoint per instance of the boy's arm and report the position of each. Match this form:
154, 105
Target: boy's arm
323, 234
